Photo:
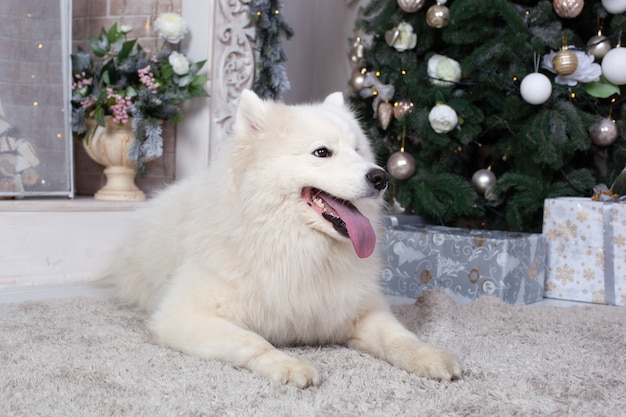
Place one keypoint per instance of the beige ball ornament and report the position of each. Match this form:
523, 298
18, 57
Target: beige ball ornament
438, 15
401, 165
614, 66
357, 79
568, 9
536, 88
401, 108
604, 132
411, 6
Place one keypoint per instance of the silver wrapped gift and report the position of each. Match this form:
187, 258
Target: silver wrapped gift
465, 263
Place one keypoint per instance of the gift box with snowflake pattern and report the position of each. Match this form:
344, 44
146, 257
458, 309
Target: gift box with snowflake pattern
586, 259
465, 263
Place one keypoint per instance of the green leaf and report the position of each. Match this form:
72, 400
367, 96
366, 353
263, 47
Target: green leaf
105, 78
602, 88
131, 92
126, 49
100, 45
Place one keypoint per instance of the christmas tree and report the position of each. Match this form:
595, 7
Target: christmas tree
482, 109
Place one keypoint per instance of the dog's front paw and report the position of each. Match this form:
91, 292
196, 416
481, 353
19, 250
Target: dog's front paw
285, 369
431, 362
298, 372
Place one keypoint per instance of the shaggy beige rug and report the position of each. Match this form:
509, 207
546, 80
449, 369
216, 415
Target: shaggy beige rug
93, 357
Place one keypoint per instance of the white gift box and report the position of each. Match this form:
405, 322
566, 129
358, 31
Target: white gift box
586, 250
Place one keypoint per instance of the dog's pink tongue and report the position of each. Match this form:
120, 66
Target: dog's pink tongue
359, 228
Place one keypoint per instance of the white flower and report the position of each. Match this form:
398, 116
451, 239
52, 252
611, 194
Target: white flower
407, 39
171, 27
125, 29
443, 71
179, 63
586, 71
442, 118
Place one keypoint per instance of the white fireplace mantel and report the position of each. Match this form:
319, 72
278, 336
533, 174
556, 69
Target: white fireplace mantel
59, 242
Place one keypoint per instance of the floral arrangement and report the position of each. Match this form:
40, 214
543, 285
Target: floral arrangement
124, 81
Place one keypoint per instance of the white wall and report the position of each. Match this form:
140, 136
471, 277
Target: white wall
318, 52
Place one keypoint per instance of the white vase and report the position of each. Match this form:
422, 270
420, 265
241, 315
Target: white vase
108, 145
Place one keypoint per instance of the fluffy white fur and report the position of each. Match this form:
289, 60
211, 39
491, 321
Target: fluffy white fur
234, 263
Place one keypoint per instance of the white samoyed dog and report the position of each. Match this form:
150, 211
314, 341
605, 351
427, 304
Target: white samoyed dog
273, 246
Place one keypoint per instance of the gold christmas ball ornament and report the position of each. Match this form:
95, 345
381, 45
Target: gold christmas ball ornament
483, 180
385, 113
604, 132
401, 165
568, 9
564, 62
402, 107
411, 6
437, 16
598, 45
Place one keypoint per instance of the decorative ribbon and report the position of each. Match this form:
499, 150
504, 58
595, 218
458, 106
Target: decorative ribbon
607, 198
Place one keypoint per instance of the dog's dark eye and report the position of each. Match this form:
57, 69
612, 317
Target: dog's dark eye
322, 153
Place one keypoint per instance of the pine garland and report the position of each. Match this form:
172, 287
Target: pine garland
271, 79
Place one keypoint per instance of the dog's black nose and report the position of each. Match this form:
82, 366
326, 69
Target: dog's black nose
378, 178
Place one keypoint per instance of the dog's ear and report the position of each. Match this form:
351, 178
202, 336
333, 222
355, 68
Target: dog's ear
250, 112
335, 99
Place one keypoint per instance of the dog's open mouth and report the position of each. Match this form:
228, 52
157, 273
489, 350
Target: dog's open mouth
345, 218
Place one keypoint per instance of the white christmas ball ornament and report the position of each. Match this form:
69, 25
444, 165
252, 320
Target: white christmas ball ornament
614, 66
614, 6
536, 88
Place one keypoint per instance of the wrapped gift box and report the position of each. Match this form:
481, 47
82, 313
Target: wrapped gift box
465, 263
586, 259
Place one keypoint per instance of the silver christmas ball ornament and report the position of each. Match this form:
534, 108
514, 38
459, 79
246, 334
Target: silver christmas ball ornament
401, 165
357, 79
598, 45
483, 180
604, 132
